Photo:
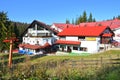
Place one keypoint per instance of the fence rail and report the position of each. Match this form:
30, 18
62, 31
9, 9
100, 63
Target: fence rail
94, 62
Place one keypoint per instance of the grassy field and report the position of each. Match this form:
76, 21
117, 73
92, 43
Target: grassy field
103, 66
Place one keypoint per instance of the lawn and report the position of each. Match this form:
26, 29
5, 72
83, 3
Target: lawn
106, 54
101, 66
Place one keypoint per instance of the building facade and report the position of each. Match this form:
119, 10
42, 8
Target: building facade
113, 24
38, 38
85, 39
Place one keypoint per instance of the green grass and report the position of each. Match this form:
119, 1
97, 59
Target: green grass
106, 54
55, 67
77, 54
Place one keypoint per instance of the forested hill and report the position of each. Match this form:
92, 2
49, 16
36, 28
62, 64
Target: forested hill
19, 27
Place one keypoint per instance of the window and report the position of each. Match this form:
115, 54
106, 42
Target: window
75, 48
33, 34
40, 27
62, 38
81, 38
37, 42
105, 40
63, 47
41, 34
83, 49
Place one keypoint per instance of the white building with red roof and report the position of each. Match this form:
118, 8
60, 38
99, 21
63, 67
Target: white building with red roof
85, 39
37, 38
113, 24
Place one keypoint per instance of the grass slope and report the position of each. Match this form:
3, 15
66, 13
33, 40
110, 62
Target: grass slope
55, 67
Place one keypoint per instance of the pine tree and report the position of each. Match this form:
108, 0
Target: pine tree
6, 30
81, 19
76, 21
16, 31
94, 20
90, 18
67, 21
84, 16
3, 17
73, 21
118, 17
114, 17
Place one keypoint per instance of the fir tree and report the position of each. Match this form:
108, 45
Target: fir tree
84, 16
67, 21
90, 18
73, 21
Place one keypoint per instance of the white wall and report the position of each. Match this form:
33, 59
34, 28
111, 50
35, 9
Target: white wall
92, 46
72, 38
116, 37
33, 41
56, 28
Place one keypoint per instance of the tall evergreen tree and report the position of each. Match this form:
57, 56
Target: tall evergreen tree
81, 19
3, 30
67, 21
118, 17
3, 17
16, 31
76, 21
94, 20
73, 21
6, 30
90, 19
84, 16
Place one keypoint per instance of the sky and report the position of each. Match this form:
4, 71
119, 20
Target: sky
57, 11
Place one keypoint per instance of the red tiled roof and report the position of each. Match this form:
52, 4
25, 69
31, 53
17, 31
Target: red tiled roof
21, 45
107, 35
113, 24
30, 46
67, 42
83, 31
88, 24
46, 45
34, 46
63, 25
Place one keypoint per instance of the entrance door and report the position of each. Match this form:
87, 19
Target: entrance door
68, 49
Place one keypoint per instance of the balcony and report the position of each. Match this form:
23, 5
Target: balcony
38, 33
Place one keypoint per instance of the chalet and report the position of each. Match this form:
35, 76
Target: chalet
38, 38
85, 39
113, 24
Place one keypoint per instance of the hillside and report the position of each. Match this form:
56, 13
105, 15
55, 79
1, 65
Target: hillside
104, 66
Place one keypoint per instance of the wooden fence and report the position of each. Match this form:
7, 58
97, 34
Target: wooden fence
94, 62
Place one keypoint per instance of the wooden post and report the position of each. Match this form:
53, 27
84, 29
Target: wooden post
101, 61
10, 54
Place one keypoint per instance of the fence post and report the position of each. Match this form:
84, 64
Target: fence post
82, 63
101, 61
73, 64
118, 56
110, 61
